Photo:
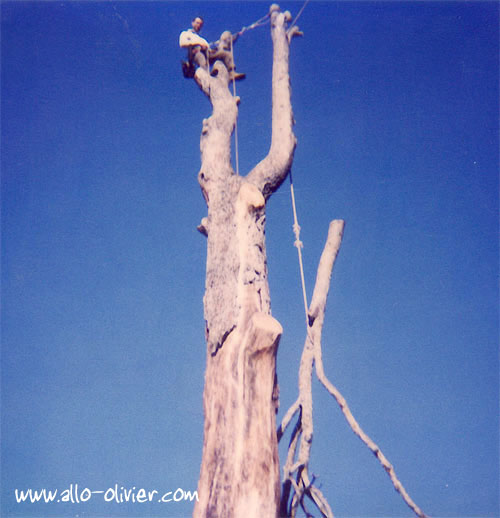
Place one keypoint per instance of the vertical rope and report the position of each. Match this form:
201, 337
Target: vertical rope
236, 122
298, 15
299, 245
296, 227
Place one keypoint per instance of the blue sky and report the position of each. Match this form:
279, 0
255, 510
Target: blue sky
103, 270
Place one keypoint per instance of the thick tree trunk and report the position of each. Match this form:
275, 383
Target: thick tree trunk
240, 466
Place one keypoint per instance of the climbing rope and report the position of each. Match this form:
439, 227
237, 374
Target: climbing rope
259, 23
299, 13
299, 245
296, 227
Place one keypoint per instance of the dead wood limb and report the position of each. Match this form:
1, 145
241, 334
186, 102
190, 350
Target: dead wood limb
239, 475
298, 467
312, 356
287, 418
270, 172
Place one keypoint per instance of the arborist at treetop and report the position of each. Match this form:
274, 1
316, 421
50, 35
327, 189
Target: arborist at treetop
201, 55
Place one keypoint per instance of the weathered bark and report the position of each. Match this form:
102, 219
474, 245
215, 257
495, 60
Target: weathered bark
240, 465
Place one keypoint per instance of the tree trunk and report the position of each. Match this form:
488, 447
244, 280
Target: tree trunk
240, 465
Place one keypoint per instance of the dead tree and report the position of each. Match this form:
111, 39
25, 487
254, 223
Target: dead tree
240, 474
240, 466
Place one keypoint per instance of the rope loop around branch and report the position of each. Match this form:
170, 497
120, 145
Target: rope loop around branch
259, 23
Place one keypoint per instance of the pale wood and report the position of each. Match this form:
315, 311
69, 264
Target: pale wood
239, 474
270, 173
296, 475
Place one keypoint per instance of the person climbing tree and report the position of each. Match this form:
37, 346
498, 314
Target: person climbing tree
197, 48
201, 55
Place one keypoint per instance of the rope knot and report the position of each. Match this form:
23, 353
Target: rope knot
296, 230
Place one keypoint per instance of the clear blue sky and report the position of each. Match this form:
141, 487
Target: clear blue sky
103, 270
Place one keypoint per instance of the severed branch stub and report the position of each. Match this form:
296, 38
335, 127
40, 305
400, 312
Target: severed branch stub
296, 482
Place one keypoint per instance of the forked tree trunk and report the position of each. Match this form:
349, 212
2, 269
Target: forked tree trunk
240, 466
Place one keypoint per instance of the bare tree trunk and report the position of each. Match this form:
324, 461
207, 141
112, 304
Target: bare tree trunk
240, 465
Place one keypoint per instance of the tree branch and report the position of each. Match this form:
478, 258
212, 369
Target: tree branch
398, 486
312, 355
304, 401
270, 173
287, 418
215, 141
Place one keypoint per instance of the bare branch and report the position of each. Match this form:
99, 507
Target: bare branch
323, 276
287, 418
292, 447
317, 313
304, 486
293, 32
269, 174
317, 497
313, 355
398, 486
